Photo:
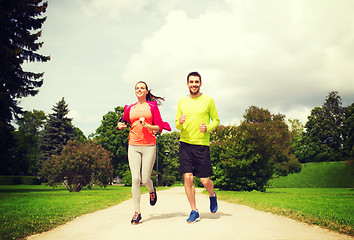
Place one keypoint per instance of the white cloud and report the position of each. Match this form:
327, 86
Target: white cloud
251, 54
282, 55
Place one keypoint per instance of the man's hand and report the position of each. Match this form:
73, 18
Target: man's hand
203, 128
182, 118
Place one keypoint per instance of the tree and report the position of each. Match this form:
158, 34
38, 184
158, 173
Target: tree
246, 157
348, 131
79, 135
20, 24
57, 131
168, 159
27, 136
113, 140
325, 129
79, 165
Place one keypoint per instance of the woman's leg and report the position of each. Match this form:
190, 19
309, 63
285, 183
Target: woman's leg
148, 161
134, 157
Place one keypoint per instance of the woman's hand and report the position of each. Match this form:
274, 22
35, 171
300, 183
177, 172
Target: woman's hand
121, 125
142, 121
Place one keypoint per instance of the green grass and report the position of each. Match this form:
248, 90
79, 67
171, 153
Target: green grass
28, 209
320, 175
321, 194
332, 208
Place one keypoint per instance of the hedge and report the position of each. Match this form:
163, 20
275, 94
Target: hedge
17, 180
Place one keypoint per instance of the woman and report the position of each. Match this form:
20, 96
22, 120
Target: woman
145, 119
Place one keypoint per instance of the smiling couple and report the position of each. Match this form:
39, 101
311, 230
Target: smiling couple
196, 117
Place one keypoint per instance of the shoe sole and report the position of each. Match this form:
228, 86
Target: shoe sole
136, 223
198, 219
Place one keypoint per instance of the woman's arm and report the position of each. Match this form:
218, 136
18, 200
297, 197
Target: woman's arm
154, 128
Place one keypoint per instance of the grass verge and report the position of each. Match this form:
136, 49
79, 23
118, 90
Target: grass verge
31, 209
319, 175
331, 208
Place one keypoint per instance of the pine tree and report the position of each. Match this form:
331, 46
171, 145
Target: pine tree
20, 29
57, 131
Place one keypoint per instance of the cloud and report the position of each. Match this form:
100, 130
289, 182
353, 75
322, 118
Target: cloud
283, 58
282, 55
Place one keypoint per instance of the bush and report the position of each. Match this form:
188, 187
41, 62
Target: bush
79, 165
246, 157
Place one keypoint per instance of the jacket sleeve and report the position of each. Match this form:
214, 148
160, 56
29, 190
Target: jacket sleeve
126, 112
157, 120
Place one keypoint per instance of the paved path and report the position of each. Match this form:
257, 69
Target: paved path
167, 220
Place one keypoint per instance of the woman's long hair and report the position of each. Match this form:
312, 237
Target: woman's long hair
150, 97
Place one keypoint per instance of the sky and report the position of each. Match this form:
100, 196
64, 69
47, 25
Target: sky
281, 55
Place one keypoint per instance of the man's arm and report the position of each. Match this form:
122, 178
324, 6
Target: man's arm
215, 121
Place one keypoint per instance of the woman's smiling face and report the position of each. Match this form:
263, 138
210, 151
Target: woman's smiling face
140, 90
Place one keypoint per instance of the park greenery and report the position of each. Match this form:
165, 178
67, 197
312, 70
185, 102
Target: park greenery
20, 29
30, 209
263, 150
244, 157
79, 165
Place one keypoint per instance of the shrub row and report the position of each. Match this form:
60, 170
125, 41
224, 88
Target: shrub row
17, 180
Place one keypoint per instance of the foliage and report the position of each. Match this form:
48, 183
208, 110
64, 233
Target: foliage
27, 137
16, 180
324, 132
20, 24
6, 146
246, 157
57, 131
113, 140
168, 158
27, 210
79, 135
79, 165
348, 132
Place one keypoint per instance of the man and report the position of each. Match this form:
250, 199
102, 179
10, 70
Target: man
194, 113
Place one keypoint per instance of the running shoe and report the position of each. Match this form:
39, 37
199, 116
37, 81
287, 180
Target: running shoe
153, 197
213, 204
193, 217
136, 218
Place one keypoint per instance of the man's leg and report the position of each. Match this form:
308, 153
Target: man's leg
209, 185
190, 190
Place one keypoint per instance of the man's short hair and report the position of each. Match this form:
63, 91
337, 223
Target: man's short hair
196, 74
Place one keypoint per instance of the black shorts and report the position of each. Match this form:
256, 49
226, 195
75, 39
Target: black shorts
195, 159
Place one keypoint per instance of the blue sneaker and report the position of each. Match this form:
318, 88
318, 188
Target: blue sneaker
193, 217
213, 204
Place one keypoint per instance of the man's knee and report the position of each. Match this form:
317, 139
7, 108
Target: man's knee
205, 181
188, 178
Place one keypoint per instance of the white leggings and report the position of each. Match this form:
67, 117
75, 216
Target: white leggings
141, 161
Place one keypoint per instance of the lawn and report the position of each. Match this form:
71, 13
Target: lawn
332, 208
319, 175
30, 209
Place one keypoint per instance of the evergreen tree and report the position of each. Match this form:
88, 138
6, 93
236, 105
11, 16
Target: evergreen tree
325, 128
57, 131
20, 24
